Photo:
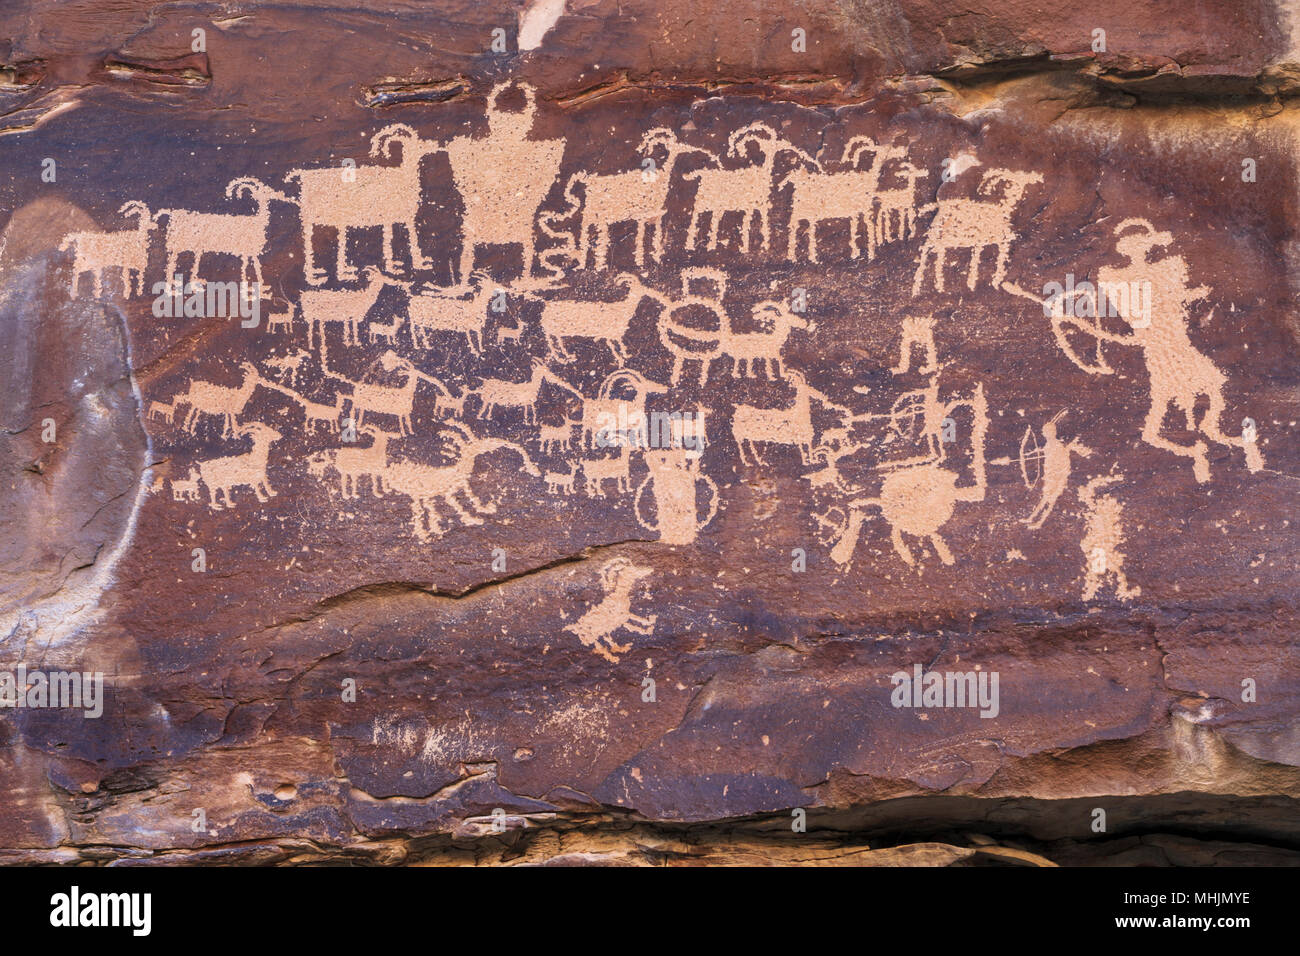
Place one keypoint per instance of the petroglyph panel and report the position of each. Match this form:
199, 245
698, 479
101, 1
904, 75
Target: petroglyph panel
562, 389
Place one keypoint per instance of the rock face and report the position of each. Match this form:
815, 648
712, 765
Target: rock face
632, 433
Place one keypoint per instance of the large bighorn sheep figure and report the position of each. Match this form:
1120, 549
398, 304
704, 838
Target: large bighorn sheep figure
204, 233
126, 250
974, 224
638, 196
348, 198
746, 190
847, 194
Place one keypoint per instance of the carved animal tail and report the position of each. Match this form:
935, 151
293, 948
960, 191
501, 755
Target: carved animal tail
551, 259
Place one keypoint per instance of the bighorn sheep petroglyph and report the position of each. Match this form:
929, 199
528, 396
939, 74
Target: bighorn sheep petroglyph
124, 250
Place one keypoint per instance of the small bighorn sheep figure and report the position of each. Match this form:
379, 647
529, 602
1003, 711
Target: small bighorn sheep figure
223, 475
204, 233
597, 627
126, 251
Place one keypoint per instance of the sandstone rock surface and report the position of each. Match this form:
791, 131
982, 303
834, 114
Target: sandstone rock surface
622, 410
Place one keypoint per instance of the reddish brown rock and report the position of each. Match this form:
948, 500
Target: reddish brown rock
364, 581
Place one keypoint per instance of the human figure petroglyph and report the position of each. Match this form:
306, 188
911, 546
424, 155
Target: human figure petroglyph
1056, 466
751, 425
503, 179
497, 393
918, 331
916, 499
350, 198
974, 224
224, 401
398, 401
1102, 539
638, 195
223, 475
289, 365
924, 407
125, 251
345, 307
1179, 374
428, 485
746, 190
597, 627
607, 420
431, 312
605, 322
673, 482
898, 207
849, 193
235, 234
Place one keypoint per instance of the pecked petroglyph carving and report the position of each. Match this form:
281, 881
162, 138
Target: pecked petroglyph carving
607, 420
503, 179
618, 468
897, 209
638, 195
1158, 325
223, 401
974, 224
918, 331
397, 401
345, 307
1102, 539
746, 350
234, 234
428, 486
187, 488
561, 482
125, 251
673, 482
279, 318
318, 414
850, 193
746, 190
289, 365
430, 312
162, 411
596, 628
916, 499
352, 464
555, 439
751, 425
349, 198
1055, 456
497, 393
222, 476
385, 332
605, 322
